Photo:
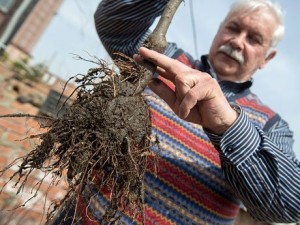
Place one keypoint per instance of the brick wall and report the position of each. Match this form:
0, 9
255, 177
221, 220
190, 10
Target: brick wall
13, 144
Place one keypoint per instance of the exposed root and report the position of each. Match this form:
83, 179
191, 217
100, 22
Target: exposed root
103, 137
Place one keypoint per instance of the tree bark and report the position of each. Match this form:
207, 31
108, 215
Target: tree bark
157, 40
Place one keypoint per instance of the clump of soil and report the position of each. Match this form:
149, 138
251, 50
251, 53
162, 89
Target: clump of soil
106, 131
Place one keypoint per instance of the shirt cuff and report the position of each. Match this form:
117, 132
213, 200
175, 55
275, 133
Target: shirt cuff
239, 142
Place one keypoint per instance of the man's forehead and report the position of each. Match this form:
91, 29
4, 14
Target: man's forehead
262, 13
259, 19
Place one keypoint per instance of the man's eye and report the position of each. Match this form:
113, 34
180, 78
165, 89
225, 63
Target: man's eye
255, 40
233, 29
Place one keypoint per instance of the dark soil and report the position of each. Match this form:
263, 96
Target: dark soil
106, 131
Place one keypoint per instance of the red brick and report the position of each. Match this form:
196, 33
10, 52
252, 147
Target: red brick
15, 138
3, 161
28, 145
5, 150
5, 123
22, 140
7, 153
25, 215
56, 193
15, 154
12, 129
34, 128
2, 130
8, 173
25, 108
4, 197
16, 125
5, 110
19, 141
33, 124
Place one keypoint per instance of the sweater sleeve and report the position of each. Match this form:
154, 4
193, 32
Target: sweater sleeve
123, 25
262, 169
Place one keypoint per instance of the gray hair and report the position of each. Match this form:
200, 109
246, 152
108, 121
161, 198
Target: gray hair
252, 5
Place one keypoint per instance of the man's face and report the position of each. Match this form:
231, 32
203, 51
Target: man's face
240, 47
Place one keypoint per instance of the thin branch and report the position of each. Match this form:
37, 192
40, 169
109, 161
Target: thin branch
25, 115
157, 40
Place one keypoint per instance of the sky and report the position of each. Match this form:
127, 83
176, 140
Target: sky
72, 32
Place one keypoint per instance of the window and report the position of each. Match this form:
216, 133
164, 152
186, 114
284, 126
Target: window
54, 105
5, 5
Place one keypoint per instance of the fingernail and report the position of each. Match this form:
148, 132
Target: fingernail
138, 58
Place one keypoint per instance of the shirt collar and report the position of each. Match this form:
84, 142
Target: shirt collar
235, 87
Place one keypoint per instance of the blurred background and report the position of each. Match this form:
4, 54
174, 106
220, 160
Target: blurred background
39, 43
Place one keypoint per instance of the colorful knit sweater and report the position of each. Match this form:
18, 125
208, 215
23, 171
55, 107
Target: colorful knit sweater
202, 178
188, 186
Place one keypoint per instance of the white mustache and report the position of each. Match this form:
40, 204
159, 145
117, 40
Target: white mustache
233, 53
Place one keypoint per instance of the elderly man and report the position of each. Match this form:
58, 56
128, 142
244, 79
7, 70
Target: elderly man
220, 146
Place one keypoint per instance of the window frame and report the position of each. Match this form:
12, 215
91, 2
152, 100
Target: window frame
6, 5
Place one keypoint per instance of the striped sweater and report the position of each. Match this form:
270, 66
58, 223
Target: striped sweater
202, 178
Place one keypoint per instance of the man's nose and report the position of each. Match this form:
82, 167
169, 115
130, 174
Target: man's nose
238, 41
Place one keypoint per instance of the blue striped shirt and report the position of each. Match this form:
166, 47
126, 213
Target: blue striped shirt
257, 161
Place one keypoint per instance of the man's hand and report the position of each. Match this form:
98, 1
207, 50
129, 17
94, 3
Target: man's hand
197, 98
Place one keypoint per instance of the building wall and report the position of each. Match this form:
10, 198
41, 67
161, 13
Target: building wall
13, 144
30, 19
34, 25
5, 15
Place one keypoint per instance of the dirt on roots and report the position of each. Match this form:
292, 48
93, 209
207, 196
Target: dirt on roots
106, 131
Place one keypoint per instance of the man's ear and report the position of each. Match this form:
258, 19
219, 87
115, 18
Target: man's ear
270, 56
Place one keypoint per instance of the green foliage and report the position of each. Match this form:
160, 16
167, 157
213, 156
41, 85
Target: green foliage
4, 57
28, 73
